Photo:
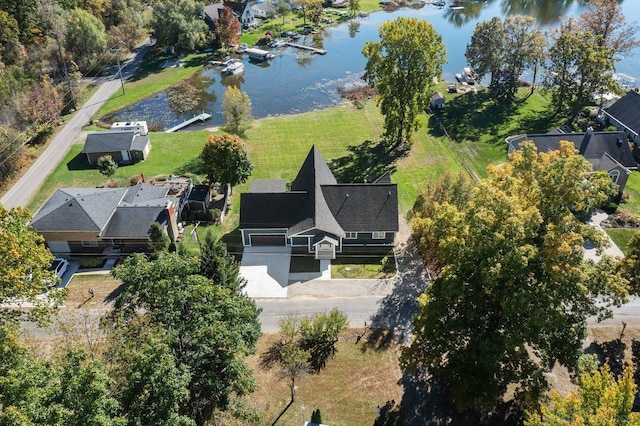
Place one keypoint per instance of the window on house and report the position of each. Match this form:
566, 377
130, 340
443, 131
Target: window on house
350, 235
378, 235
89, 244
615, 175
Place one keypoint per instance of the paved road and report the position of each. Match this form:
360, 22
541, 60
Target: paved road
23, 191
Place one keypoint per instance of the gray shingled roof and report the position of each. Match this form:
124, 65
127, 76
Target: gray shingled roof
114, 141
271, 185
627, 110
145, 194
213, 11
133, 221
364, 207
317, 201
272, 210
77, 209
119, 212
592, 148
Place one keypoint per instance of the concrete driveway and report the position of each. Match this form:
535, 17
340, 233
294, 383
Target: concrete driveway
266, 270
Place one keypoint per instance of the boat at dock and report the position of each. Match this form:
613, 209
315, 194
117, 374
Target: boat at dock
259, 54
467, 76
233, 68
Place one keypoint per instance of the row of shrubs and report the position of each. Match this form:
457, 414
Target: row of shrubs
211, 215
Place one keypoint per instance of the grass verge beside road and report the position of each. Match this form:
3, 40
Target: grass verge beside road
621, 237
152, 78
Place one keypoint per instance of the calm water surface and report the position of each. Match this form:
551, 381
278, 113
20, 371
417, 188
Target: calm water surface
297, 81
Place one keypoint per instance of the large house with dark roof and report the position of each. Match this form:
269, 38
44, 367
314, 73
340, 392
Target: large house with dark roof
124, 147
624, 114
317, 215
608, 151
80, 220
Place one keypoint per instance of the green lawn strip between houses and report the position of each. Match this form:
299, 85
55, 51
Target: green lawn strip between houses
621, 236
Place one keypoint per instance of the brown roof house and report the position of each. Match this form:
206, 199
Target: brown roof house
317, 215
80, 220
608, 151
124, 147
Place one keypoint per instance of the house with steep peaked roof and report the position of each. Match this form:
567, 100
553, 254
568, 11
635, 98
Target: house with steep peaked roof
317, 215
80, 220
624, 114
608, 151
124, 147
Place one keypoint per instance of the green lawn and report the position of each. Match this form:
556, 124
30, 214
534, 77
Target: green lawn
359, 267
151, 78
632, 205
621, 237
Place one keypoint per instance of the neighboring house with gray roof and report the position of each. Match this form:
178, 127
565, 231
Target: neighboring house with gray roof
624, 114
123, 147
608, 151
80, 220
317, 215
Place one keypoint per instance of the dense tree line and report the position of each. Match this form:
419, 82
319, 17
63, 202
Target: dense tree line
513, 291
175, 347
578, 58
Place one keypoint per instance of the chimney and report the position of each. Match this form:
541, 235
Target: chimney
172, 222
585, 140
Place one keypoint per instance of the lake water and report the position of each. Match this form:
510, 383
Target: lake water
297, 81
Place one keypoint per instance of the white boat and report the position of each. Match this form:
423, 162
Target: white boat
259, 54
233, 68
275, 44
439, 3
242, 48
468, 76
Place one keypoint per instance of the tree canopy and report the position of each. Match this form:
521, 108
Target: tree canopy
504, 50
402, 66
227, 28
86, 38
205, 327
24, 269
225, 160
601, 399
236, 110
176, 23
515, 291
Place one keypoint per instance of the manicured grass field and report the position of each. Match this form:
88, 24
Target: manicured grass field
359, 268
152, 78
632, 205
621, 237
279, 145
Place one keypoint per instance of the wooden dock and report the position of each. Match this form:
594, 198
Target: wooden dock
201, 117
309, 48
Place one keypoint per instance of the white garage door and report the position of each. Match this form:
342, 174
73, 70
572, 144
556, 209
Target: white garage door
61, 247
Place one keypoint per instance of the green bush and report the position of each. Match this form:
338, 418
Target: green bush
316, 416
92, 262
388, 264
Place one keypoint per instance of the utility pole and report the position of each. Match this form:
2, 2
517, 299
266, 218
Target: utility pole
119, 67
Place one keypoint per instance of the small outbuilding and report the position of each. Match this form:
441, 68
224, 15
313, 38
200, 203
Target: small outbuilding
437, 101
123, 147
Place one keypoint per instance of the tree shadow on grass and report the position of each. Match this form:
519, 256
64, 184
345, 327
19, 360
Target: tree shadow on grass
426, 402
538, 122
367, 161
79, 162
193, 166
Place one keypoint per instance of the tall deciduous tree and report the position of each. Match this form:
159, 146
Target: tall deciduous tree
601, 399
86, 38
515, 291
24, 267
504, 50
629, 266
227, 28
209, 328
579, 64
604, 18
236, 110
402, 66
177, 23
225, 160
